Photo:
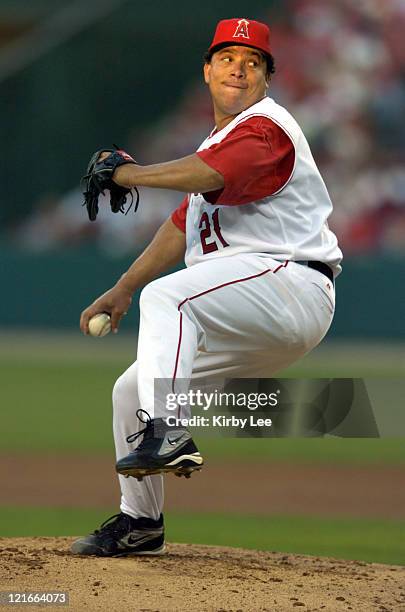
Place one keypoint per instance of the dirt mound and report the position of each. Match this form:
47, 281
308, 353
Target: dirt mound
199, 578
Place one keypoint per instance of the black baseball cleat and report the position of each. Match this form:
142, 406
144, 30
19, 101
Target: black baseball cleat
163, 449
122, 535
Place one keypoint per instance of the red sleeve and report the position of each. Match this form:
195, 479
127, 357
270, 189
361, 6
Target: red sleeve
256, 160
179, 215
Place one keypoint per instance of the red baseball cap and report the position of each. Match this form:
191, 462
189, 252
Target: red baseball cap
245, 32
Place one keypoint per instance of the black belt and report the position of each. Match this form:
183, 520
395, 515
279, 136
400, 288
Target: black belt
319, 266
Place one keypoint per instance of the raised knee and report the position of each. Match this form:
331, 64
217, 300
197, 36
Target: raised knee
125, 391
156, 293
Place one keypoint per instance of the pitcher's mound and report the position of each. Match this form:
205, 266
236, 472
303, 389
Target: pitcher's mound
199, 578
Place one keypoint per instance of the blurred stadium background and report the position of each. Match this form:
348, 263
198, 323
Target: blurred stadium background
76, 76
79, 75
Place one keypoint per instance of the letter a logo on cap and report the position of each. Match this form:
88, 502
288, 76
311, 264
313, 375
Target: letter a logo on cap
242, 29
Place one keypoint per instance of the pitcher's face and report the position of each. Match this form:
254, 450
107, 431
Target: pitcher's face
236, 77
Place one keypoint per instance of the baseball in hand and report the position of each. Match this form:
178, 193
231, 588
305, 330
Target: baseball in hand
100, 325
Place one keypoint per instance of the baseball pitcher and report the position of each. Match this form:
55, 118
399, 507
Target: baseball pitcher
257, 292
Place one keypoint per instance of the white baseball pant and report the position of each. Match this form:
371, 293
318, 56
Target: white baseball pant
246, 315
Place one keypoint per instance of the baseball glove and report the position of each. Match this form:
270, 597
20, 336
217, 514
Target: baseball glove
99, 177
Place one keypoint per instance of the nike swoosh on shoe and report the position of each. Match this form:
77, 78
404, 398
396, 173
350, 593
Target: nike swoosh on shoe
174, 442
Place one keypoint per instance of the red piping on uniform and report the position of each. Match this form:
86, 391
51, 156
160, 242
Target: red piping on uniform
193, 297
284, 265
178, 348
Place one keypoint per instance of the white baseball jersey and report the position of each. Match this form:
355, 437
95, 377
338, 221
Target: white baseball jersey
290, 224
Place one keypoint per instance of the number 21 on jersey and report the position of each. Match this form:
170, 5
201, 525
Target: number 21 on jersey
210, 232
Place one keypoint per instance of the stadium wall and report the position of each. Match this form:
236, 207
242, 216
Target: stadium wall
50, 290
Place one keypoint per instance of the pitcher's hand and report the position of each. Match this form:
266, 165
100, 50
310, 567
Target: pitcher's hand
116, 302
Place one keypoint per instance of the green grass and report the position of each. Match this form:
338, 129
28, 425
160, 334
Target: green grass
370, 540
55, 407
379, 541
56, 397
65, 406
330, 359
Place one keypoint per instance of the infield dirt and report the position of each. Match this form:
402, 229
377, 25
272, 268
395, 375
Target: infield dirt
200, 578
268, 488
